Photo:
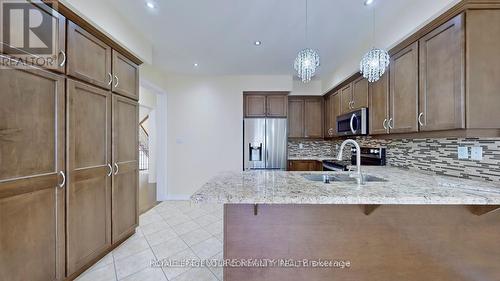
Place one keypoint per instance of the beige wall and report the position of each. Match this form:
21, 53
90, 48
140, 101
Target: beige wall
205, 126
103, 16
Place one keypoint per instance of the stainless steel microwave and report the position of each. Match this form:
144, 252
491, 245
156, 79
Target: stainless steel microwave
353, 124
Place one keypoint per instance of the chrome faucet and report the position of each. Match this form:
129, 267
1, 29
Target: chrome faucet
358, 158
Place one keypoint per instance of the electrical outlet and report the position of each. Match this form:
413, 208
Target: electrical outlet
463, 152
301, 146
476, 153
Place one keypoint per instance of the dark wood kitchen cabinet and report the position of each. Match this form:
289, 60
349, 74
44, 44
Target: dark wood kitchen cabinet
32, 175
359, 94
332, 110
265, 104
305, 117
89, 173
483, 69
313, 118
442, 70
57, 60
404, 90
346, 99
68, 154
305, 165
379, 109
277, 105
89, 59
125, 76
125, 147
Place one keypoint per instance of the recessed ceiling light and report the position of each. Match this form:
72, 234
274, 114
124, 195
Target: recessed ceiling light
195, 65
368, 2
150, 4
257, 43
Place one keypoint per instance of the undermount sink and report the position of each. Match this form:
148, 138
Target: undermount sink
341, 178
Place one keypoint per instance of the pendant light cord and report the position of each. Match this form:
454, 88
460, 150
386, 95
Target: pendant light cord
373, 26
307, 39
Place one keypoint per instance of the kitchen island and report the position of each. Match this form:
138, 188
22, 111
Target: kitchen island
412, 226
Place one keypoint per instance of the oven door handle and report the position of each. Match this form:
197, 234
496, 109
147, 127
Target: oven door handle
352, 124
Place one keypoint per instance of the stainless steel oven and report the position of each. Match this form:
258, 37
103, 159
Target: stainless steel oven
353, 124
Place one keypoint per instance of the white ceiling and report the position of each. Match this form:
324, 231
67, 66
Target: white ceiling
219, 34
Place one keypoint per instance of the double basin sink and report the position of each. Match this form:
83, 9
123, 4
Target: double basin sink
340, 178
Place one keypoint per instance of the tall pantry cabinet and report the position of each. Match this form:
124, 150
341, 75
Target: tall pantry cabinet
68, 156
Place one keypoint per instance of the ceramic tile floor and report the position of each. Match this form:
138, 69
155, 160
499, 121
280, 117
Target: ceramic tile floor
173, 230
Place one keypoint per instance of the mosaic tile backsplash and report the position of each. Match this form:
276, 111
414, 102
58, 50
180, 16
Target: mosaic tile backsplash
437, 156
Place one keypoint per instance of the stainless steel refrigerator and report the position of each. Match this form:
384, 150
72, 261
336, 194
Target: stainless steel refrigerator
264, 143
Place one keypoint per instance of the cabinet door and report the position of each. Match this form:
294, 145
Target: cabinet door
442, 95
359, 93
313, 118
277, 105
89, 182
346, 99
483, 69
125, 161
55, 56
255, 105
332, 111
404, 90
31, 161
303, 165
336, 111
296, 118
379, 106
89, 59
125, 76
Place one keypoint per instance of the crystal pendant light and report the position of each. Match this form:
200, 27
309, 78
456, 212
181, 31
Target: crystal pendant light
307, 61
375, 62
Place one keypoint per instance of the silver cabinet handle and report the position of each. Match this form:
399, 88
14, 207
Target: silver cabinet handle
110, 78
64, 58
61, 173
117, 81
351, 124
385, 123
420, 119
116, 171
110, 170
391, 121
353, 103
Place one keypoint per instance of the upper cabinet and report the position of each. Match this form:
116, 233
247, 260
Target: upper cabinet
89, 59
332, 110
404, 90
442, 92
359, 94
125, 76
57, 60
305, 117
265, 104
346, 99
483, 69
93, 61
379, 106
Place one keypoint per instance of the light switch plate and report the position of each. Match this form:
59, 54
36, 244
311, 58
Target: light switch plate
463, 152
476, 153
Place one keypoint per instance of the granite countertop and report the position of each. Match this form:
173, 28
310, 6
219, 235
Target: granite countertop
401, 187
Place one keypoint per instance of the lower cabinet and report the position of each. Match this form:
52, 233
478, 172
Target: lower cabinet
32, 193
125, 142
89, 173
305, 165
